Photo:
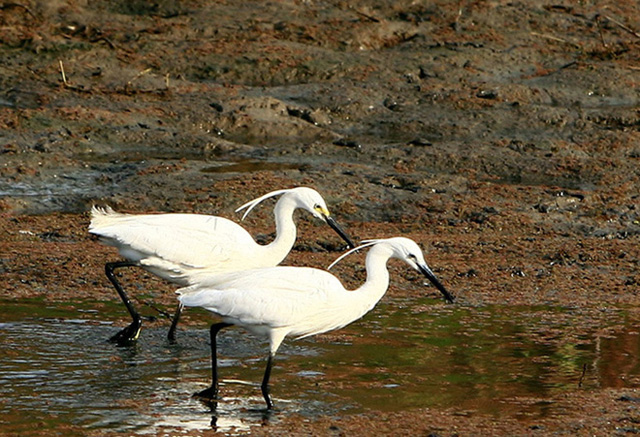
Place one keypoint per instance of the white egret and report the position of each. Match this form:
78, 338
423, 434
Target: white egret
175, 246
278, 302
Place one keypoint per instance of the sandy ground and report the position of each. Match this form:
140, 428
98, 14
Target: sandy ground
502, 136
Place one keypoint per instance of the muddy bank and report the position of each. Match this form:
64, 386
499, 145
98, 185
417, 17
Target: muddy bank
503, 137
131, 102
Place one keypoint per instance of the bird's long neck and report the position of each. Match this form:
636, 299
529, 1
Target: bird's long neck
278, 249
377, 283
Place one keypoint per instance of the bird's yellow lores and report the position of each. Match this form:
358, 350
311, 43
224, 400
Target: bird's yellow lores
278, 302
176, 246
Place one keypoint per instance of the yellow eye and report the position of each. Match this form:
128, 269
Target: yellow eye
321, 209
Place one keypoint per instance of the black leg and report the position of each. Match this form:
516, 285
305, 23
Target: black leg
265, 382
131, 332
210, 395
174, 324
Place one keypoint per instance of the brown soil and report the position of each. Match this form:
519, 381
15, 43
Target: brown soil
502, 136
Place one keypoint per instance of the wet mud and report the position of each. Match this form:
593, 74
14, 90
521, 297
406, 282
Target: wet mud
503, 137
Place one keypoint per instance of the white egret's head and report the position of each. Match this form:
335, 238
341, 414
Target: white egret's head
309, 200
304, 198
407, 250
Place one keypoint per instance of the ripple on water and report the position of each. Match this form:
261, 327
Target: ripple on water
494, 360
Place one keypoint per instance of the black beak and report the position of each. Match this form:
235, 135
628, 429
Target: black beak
331, 222
426, 271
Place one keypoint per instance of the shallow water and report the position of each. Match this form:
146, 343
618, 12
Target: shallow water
58, 371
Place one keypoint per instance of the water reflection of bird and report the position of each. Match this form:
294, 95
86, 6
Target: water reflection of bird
174, 246
278, 302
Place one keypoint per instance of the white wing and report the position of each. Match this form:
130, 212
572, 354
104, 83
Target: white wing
175, 241
306, 301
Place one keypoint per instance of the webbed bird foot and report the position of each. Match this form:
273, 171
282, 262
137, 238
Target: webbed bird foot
208, 397
129, 334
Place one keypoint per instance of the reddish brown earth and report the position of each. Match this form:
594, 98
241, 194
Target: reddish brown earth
502, 136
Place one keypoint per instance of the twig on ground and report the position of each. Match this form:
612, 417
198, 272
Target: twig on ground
622, 26
66, 83
456, 24
64, 77
17, 5
138, 76
597, 19
584, 371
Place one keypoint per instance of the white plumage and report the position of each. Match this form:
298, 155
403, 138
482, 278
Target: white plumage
171, 245
251, 300
278, 302
177, 246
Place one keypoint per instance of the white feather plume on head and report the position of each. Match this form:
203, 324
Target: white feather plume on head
365, 243
253, 203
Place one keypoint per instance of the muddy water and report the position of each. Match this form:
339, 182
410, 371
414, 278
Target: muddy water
58, 370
